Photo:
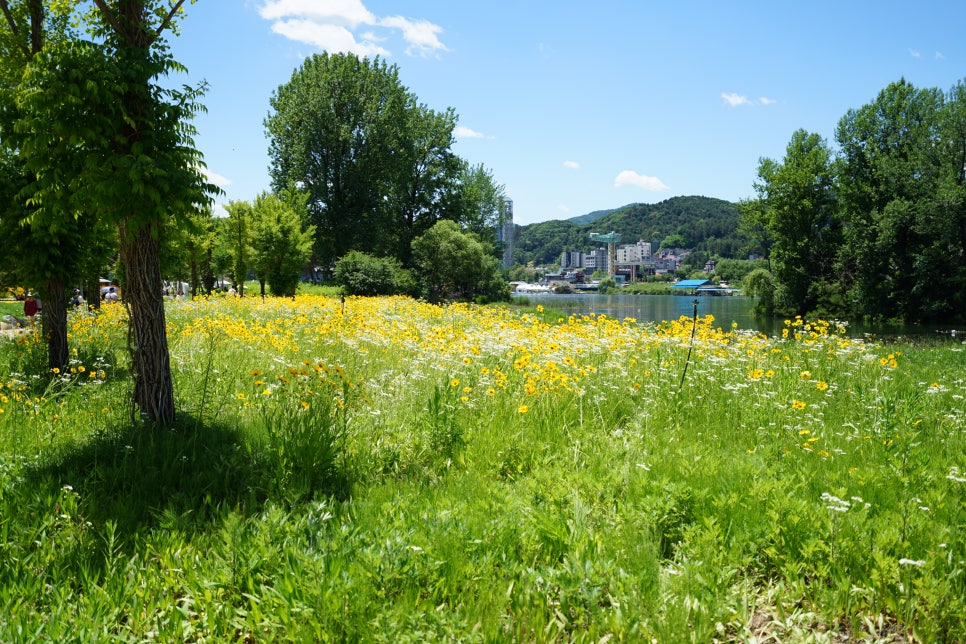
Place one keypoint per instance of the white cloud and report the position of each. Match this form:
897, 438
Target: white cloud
422, 36
466, 133
217, 179
734, 100
737, 100
349, 12
573, 165
218, 211
940, 56
332, 25
631, 178
915, 53
327, 37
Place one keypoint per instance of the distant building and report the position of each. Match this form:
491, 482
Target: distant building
596, 260
506, 233
634, 253
571, 259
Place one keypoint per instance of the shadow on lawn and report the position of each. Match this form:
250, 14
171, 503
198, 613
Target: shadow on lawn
139, 478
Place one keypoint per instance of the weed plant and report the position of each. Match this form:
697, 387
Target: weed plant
387, 470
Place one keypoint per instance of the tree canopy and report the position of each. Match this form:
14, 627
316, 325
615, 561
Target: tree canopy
876, 229
99, 136
376, 164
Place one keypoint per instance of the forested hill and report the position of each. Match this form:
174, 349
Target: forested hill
703, 224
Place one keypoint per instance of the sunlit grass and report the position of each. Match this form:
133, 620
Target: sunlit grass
384, 469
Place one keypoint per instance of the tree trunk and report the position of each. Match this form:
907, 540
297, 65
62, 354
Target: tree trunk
194, 279
54, 317
150, 362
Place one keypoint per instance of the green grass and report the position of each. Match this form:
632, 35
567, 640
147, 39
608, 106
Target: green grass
390, 471
11, 307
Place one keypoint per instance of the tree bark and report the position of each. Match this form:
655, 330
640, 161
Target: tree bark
150, 361
54, 317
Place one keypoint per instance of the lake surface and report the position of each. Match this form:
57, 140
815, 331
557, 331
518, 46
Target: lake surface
726, 310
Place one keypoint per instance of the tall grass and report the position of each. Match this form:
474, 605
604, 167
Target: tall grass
388, 470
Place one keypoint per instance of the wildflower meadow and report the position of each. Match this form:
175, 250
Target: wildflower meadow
382, 469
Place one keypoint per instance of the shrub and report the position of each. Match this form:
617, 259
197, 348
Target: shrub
361, 274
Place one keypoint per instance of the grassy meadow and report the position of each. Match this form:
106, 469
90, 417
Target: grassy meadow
386, 470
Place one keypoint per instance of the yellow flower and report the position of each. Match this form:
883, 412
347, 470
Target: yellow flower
539, 308
805, 375
455, 382
798, 404
523, 409
56, 370
82, 368
821, 385
240, 396
490, 391
304, 404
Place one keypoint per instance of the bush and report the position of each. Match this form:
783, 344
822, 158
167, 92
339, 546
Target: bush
607, 285
361, 274
761, 284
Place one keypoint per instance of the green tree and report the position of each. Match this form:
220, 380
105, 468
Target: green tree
236, 239
281, 241
335, 128
91, 112
188, 251
51, 242
674, 240
377, 164
941, 265
455, 265
796, 205
482, 202
761, 284
890, 172
427, 170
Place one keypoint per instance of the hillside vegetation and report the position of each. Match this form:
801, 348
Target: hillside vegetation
704, 223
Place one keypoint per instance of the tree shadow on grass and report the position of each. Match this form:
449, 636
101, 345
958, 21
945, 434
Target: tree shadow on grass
135, 477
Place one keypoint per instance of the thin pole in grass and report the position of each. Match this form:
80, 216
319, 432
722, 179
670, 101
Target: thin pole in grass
694, 327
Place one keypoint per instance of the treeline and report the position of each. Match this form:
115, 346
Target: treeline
709, 226
875, 229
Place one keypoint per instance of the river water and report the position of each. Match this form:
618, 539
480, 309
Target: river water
725, 309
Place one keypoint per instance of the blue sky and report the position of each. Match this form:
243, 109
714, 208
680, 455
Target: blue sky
579, 106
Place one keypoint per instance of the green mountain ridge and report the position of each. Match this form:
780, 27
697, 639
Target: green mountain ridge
595, 215
704, 223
